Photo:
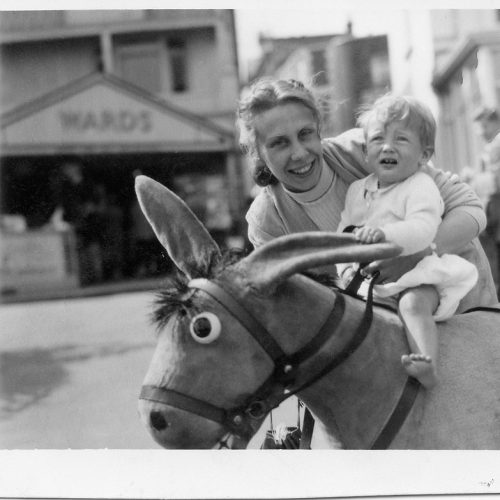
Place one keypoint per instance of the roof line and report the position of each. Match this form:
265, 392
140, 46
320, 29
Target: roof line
458, 57
87, 81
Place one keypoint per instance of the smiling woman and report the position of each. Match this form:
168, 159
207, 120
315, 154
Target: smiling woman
305, 179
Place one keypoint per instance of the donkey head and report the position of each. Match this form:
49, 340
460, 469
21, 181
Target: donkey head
204, 353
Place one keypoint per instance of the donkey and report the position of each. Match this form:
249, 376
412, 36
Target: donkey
238, 336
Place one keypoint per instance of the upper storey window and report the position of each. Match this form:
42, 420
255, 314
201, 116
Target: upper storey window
139, 64
319, 67
158, 65
178, 66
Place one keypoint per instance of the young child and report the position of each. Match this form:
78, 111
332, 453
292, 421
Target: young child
399, 203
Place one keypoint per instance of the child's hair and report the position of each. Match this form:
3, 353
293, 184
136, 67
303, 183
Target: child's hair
263, 95
413, 113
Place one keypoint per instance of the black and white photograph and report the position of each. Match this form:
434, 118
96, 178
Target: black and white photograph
251, 250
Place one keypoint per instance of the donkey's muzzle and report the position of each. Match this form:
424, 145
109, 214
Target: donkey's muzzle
158, 421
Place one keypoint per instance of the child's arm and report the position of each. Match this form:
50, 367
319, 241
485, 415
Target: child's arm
423, 207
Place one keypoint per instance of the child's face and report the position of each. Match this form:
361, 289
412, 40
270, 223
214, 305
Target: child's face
393, 151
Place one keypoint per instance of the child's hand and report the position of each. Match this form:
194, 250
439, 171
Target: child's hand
368, 234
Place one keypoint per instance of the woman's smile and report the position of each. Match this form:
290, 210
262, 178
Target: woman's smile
301, 171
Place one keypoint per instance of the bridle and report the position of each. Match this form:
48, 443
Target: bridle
244, 420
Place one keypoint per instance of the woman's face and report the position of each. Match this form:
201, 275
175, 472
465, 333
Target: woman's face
288, 142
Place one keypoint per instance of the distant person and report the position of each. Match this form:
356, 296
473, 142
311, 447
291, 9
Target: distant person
399, 202
484, 181
493, 231
112, 238
79, 203
489, 122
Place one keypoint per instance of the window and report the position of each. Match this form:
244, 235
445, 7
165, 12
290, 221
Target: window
380, 70
140, 64
319, 67
178, 66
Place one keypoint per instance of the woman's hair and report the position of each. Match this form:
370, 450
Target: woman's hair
263, 95
410, 111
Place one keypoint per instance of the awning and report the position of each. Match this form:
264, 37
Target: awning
103, 114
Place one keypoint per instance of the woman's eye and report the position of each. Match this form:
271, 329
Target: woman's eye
205, 327
277, 143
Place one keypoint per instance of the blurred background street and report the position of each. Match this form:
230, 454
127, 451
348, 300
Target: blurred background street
71, 372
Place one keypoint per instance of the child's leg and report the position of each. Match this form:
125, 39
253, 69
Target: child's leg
416, 307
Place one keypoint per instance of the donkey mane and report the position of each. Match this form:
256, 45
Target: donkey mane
175, 297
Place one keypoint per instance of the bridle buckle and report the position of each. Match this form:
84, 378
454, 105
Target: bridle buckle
257, 409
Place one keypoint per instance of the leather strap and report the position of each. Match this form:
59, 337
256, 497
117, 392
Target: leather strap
356, 340
325, 332
242, 315
234, 419
353, 287
398, 416
186, 403
307, 430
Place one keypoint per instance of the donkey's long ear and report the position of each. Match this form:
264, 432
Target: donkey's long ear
184, 237
277, 260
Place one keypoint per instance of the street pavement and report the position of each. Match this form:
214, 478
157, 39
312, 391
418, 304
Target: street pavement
71, 371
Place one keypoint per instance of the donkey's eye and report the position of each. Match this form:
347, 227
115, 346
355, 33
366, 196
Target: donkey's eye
205, 327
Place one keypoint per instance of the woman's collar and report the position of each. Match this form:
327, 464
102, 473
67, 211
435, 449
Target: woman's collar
324, 183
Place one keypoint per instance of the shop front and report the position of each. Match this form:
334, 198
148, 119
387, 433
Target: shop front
77, 151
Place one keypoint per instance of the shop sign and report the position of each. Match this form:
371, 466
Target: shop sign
104, 114
106, 120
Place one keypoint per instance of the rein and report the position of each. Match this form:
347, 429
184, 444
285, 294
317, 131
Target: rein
244, 420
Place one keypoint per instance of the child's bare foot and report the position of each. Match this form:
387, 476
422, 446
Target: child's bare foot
421, 367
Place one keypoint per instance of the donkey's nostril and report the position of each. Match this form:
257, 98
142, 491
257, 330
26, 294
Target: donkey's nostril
158, 421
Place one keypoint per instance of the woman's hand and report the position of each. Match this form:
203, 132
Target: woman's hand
391, 270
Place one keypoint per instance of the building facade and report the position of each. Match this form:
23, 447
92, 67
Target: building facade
450, 58
118, 92
358, 70
346, 72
